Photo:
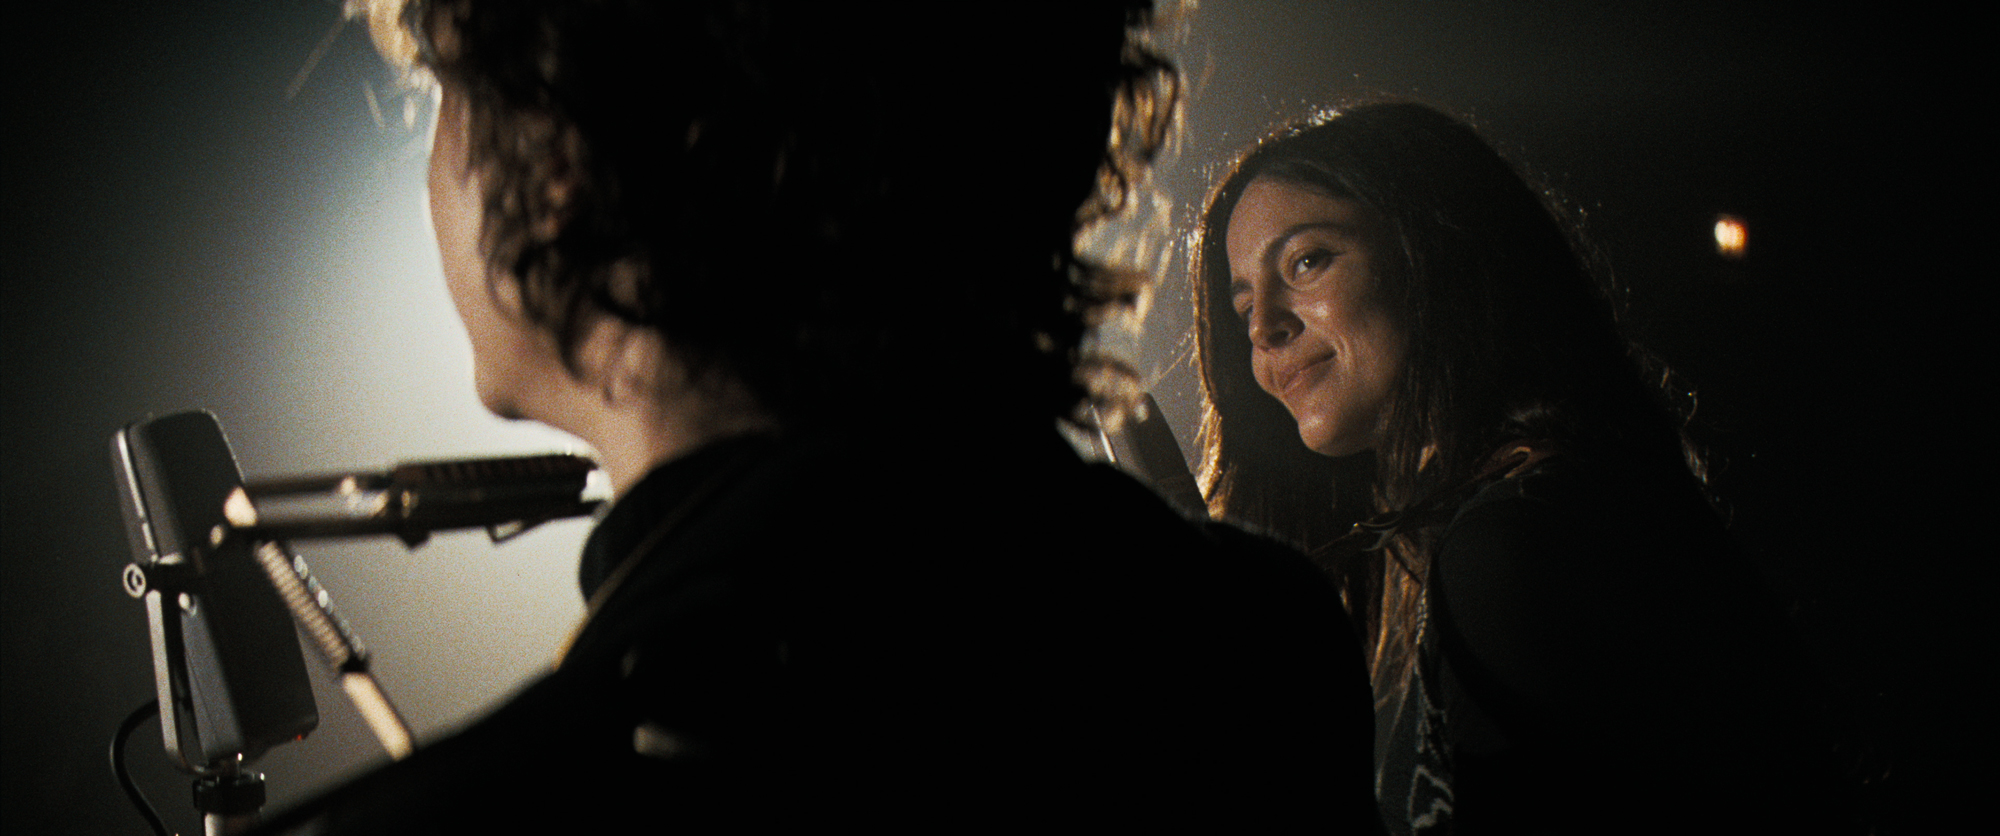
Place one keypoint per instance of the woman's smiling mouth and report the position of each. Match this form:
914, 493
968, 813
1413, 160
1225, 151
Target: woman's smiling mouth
1288, 379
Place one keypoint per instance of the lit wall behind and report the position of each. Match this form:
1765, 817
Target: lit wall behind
183, 235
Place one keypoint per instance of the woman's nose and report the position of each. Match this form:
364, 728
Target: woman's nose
1272, 323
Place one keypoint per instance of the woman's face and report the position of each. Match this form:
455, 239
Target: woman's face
1302, 268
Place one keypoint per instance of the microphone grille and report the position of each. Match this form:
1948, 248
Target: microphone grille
554, 467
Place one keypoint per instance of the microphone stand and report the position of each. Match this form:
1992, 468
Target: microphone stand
165, 466
229, 800
504, 496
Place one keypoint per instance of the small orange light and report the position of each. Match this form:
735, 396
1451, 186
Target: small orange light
1731, 236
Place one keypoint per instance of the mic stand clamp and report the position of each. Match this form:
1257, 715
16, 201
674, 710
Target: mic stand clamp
229, 800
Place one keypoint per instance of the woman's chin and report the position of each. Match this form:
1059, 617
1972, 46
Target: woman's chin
1336, 446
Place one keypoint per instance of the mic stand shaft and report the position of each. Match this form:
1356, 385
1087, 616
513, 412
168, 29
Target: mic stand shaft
312, 608
229, 800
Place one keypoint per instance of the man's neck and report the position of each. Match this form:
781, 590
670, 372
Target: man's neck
631, 440
637, 405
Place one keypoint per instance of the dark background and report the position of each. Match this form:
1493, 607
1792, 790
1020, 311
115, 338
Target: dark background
182, 232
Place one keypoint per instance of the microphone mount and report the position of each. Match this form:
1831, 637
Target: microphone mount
213, 568
505, 496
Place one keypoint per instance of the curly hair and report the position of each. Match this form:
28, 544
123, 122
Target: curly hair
1510, 333
844, 217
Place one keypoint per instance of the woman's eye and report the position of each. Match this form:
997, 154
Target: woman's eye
1310, 261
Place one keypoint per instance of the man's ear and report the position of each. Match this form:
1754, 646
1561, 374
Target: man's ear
628, 364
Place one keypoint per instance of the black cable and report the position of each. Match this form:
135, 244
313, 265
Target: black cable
132, 791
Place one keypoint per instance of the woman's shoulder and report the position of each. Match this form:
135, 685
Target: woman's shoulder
1571, 558
1561, 499
1581, 602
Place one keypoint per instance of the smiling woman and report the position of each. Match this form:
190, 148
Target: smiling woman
1561, 635
1303, 268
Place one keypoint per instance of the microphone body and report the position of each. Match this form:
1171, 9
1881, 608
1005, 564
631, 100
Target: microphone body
231, 676
223, 589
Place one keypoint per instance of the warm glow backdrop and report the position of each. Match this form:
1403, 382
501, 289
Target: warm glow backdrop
180, 233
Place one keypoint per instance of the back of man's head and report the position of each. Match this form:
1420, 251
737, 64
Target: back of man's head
853, 212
